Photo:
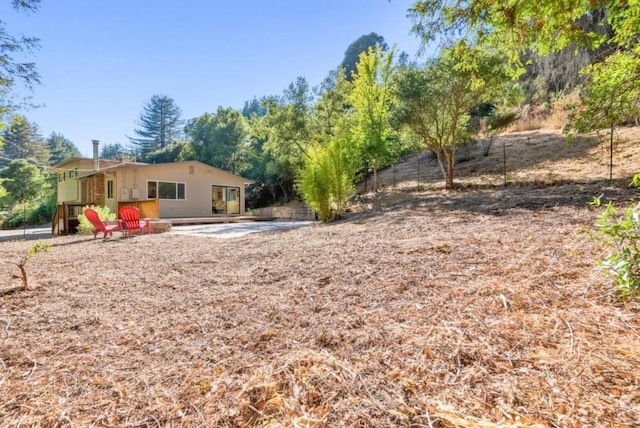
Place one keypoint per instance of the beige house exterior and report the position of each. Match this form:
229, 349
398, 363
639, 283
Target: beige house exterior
181, 189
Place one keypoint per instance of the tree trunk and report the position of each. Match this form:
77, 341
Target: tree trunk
443, 169
450, 155
376, 183
611, 154
284, 191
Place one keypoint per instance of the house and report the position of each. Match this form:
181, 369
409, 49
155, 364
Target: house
166, 190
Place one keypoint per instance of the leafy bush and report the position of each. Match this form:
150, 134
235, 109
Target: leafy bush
314, 184
622, 235
29, 214
85, 227
326, 180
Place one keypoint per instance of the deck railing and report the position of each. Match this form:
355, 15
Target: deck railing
65, 219
148, 209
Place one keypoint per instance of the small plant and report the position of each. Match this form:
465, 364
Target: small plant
31, 252
623, 236
85, 227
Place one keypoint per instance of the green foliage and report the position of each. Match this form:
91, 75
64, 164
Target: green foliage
372, 97
542, 26
612, 95
33, 213
4, 199
23, 141
220, 139
174, 152
326, 180
11, 70
85, 227
60, 148
622, 236
355, 49
22, 181
314, 183
285, 133
434, 102
116, 151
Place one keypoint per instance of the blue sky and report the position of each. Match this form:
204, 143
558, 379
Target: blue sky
100, 61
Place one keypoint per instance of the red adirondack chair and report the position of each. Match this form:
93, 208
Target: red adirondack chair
130, 221
99, 225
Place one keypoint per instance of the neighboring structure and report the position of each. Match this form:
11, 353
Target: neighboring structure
178, 189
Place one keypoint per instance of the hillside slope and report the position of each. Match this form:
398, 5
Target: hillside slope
539, 159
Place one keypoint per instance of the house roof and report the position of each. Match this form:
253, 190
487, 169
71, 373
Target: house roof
104, 163
120, 166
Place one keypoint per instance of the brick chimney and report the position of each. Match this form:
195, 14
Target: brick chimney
96, 162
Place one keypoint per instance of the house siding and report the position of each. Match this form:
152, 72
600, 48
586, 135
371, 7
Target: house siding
131, 185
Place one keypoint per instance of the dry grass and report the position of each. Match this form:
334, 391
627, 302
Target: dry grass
473, 308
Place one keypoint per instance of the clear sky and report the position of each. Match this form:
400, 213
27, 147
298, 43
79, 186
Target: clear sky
101, 61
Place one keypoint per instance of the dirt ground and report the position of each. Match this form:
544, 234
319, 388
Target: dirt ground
478, 307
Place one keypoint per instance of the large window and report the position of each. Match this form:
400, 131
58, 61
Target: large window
166, 190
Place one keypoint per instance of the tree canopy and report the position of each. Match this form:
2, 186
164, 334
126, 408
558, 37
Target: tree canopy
219, 139
60, 148
372, 97
22, 140
12, 70
362, 44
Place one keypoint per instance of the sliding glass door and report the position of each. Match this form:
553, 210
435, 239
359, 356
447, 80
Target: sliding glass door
225, 200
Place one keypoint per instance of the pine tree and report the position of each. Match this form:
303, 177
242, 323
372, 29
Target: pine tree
23, 141
60, 148
159, 125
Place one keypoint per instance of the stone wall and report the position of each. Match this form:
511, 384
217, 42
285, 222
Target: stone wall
293, 211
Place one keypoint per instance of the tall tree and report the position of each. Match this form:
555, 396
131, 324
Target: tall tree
372, 98
288, 130
332, 102
116, 151
175, 152
613, 98
219, 139
21, 140
60, 148
159, 125
434, 102
362, 44
253, 107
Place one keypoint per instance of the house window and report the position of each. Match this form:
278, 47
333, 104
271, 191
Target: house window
109, 189
166, 190
61, 177
73, 173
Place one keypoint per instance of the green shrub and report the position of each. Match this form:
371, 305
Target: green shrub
29, 214
326, 179
85, 227
314, 184
622, 236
